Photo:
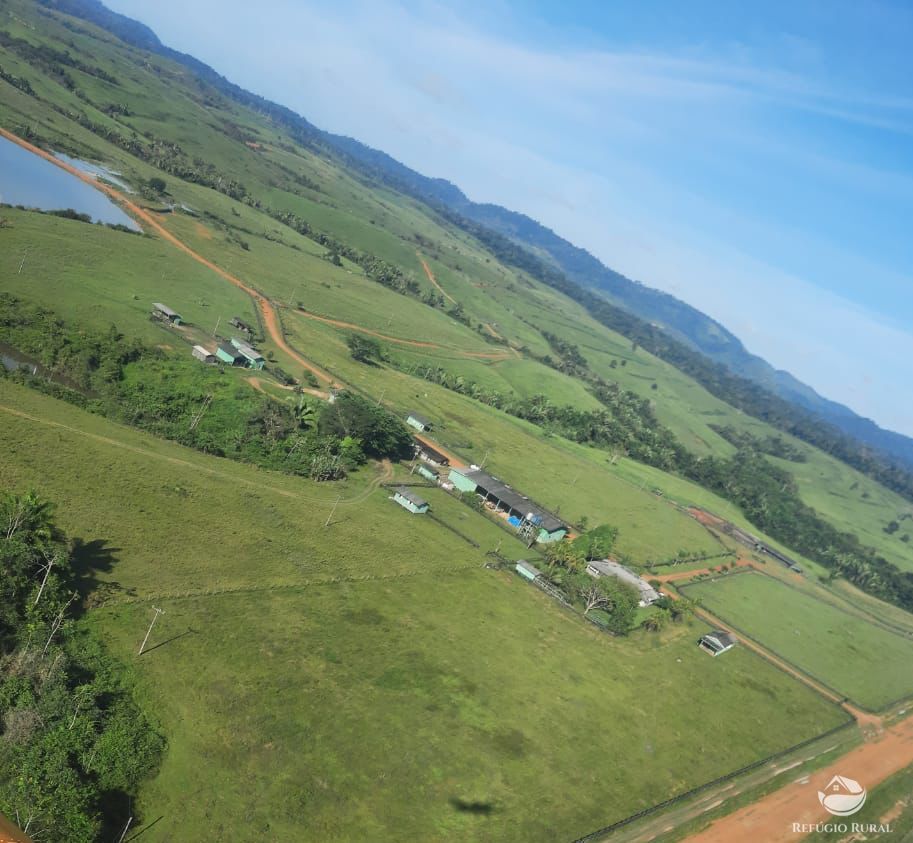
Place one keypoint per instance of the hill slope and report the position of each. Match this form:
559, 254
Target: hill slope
676, 318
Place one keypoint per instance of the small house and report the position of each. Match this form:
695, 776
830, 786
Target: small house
411, 501
524, 569
610, 568
203, 355
717, 642
165, 314
227, 353
431, 455
420, 423
252, 357
428, 473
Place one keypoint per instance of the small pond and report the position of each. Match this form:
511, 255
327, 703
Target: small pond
28, 179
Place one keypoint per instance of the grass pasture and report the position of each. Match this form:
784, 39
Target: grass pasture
870, 664
371, 680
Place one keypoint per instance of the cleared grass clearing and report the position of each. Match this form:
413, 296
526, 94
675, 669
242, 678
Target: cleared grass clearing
553, 471
871, 665
371, 680
94, 276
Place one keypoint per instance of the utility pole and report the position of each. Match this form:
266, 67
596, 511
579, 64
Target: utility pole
155, 617
22, 262
216, 329
485, 460
292, 295
124, 832
381, 399
332, 511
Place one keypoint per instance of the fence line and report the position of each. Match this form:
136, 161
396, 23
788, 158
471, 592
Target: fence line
602, 832
841, 694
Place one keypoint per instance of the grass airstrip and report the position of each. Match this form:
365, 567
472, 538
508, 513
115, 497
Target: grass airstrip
309, 671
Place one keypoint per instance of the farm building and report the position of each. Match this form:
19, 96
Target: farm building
240, 325
428, 473
227, 353
411, 501
529, 518
525, 569
251, 355
429, 454
420, 423
609, 568
717, 642
203, 355
165, 314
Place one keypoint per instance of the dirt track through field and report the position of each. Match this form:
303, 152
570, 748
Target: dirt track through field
270, 318
770, 819
351, 326
434, 281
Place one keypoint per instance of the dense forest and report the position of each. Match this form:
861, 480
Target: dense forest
73, 743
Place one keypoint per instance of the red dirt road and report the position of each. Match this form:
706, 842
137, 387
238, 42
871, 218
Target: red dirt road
770, 820
270, 319
351, 326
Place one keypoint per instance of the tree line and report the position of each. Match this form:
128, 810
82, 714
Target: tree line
737, 391
74, 744
766, 494
203, 407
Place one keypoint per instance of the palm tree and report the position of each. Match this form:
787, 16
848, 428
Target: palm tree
28, 515
305, 415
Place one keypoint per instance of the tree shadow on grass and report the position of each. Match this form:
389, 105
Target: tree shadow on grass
467, 807
87, 560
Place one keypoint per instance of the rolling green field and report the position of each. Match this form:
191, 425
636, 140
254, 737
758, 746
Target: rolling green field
289, 267
311, 671
868, 663
370, 678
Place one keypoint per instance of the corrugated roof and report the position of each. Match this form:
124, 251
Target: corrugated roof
403, 492
422, 420
526, 566
432, 452
247, 350
165, 309
611, 568
513, 499
201, 349
228, 348
725, 639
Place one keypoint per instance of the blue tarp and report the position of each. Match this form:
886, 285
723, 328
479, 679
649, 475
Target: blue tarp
514, 521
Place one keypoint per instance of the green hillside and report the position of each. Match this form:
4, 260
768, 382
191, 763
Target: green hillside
313, 668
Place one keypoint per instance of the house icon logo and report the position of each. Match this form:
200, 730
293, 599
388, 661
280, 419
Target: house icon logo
842, 796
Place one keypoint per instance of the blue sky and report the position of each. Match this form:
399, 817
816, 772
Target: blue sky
755, 159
